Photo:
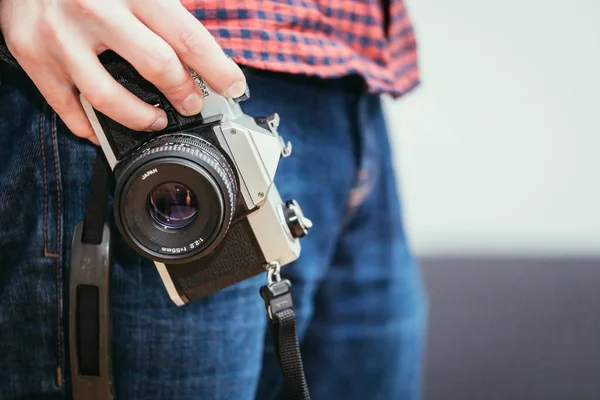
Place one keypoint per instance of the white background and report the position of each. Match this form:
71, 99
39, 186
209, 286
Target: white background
498, 150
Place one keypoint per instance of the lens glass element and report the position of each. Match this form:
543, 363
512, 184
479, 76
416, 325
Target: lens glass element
173, 205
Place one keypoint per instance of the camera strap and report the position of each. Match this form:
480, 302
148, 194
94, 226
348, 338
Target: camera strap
89, 294
277, 296
95, 216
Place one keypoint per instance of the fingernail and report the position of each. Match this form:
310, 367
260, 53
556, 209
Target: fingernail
159, 124
236, 90
192, 104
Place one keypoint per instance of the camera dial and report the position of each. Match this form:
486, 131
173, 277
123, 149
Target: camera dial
295, 219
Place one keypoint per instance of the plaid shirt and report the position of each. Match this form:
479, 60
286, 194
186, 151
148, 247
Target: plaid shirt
373, 38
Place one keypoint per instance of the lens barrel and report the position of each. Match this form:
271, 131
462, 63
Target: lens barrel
174, 200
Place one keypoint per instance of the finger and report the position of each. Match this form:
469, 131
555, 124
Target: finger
62, 97
110, 98
94, 139
194, 45
156, 61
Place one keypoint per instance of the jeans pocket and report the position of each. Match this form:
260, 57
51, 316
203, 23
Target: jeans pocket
23, 175
30, 234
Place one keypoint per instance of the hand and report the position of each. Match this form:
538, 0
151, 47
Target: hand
57, 43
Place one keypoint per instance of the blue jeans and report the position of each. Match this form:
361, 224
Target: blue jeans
357, 290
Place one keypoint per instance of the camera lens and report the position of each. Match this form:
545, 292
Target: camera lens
175, 198
173, 205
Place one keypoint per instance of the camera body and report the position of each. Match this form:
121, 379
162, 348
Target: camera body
198, 198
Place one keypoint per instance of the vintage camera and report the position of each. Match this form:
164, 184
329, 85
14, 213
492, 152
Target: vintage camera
198, 198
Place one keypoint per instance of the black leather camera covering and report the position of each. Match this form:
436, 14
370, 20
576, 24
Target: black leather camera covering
123, 140
236, 259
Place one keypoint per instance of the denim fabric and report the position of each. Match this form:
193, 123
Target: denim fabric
358, 295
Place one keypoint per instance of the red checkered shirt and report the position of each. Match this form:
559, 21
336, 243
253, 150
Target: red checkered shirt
373, 38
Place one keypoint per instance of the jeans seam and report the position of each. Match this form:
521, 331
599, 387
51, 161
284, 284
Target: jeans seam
47, 253
362, 189
54, 136
369, 161
359, 194
45, 177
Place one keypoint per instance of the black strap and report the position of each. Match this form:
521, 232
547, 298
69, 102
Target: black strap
97, 202
89, 294
282, 322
